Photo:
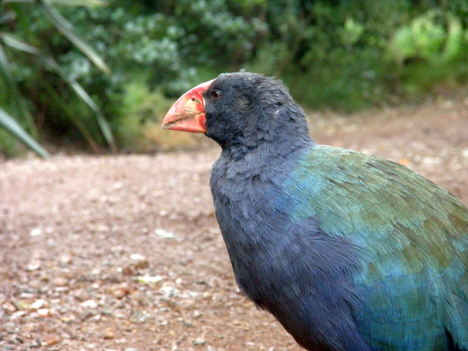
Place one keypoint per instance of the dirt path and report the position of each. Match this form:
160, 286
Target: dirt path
124, 252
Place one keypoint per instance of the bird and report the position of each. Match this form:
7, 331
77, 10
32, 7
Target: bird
348, 251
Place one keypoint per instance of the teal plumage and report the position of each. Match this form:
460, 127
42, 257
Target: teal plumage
412, 237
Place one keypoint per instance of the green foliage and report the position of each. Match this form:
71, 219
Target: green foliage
338, 54
333, 55
169, 43
351, 55
435, 37
17, 118
430, 50
143, 110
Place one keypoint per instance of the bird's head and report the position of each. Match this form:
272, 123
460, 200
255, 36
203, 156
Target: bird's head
238, 108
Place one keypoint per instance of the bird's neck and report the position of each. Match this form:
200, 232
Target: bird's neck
265, 157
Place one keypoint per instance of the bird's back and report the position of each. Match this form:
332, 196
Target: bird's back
412, 242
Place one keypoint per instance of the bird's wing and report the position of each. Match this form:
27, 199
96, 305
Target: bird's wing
412, 236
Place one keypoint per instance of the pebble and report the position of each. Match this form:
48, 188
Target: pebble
17, 315
9, 308
26, 295
169, 291
109, 333
199, 341
107, 310
37, 304
142, 264
36, 232
137, 257
120, 291
89, 304
60, 281
164, 234
50, 339
43, 312
148, 279
33, 266
81, 295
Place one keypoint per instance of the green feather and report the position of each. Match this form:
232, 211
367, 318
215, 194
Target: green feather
413, 236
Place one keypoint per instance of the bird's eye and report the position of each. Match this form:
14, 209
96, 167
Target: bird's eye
215, 94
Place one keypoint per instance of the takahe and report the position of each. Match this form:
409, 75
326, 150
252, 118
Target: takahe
348, 251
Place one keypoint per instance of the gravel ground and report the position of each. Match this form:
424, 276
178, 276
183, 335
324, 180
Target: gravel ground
124, 252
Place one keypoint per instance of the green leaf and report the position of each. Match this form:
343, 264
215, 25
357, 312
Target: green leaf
17, 98
7, 17
9, 123
66, 28
17, 43
68, 2
79, 2
79, 123
103, 124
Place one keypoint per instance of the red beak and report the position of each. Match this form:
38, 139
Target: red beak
188, 113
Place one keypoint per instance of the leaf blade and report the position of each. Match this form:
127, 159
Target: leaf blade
82, 93
66, 28
9, 123
19, 44
17, 98
16, 43
68, 2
